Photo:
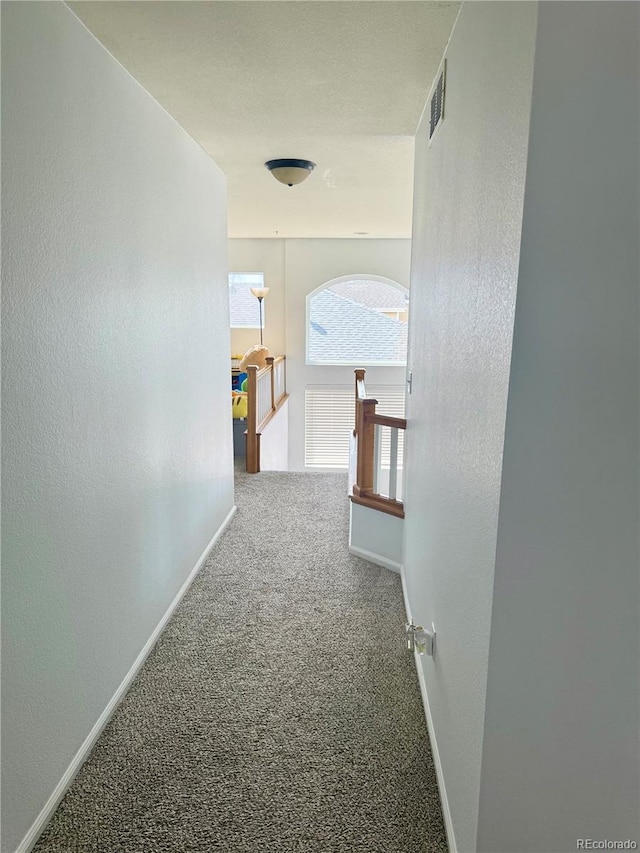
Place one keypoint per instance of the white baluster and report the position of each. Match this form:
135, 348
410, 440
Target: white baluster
393, 464
377, 456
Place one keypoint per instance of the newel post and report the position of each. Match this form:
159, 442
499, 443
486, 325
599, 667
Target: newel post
359, 378
253, 453
365, 433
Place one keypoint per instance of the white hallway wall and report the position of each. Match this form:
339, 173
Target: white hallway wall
294, 268
561, 754
521, 542
117, 469
468, 197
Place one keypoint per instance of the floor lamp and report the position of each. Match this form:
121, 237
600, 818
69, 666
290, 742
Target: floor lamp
260, 293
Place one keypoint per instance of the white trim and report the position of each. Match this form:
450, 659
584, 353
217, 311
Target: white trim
375, 558
405, 594
82, 754
446, 811
359, 276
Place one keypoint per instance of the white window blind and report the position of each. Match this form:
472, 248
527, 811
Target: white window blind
330, 418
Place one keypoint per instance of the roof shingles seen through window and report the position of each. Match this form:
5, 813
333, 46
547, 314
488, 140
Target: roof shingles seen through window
343, 331
243, 305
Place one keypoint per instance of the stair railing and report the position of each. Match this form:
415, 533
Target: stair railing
376, 483
266, 393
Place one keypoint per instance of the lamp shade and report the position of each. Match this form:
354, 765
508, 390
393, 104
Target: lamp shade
260, 292
290, 171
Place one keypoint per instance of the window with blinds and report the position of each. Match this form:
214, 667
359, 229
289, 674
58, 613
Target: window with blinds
329, 420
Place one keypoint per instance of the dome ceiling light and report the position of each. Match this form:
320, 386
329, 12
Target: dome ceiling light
290, 171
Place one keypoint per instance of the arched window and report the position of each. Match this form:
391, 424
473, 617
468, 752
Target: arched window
359, 320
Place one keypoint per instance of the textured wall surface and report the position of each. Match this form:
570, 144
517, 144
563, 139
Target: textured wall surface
117, 467
469, 188
561, 744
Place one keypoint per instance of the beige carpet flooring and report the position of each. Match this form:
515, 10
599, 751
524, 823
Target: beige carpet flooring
279, 711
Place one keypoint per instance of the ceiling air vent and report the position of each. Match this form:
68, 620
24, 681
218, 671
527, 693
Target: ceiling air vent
437, 102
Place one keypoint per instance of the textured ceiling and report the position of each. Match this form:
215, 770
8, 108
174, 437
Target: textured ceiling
339, 83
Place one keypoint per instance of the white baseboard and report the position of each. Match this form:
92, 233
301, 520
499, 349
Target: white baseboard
82, 754
375, 558
446, 812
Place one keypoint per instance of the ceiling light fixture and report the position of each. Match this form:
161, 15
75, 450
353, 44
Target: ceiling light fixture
290, 171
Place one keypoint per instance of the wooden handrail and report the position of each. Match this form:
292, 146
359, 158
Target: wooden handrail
387, 420
381, 503
255, 423
366, 420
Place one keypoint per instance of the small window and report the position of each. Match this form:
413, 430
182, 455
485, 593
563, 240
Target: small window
359, 320
243, 305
